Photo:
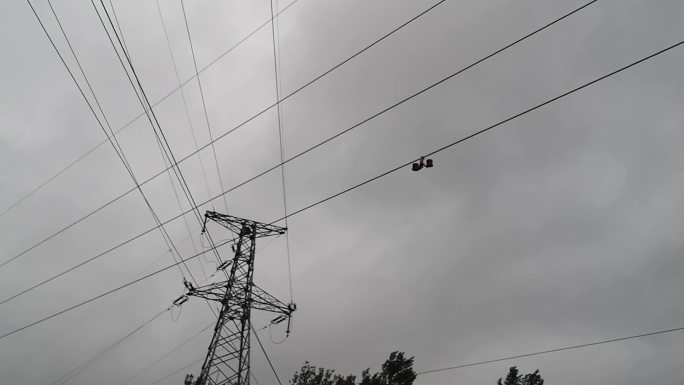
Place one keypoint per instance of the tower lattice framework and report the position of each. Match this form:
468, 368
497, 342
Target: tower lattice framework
227, 359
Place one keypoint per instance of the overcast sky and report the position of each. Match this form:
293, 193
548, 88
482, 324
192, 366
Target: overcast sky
559, 228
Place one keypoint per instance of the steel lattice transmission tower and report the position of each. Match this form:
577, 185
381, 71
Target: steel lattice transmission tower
227, 360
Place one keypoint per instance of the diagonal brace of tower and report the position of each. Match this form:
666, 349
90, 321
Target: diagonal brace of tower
227, 360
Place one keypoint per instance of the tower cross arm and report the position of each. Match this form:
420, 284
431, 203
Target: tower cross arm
262, 300
213, 291
237, 225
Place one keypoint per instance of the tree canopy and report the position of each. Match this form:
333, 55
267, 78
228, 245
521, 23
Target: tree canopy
397, 370
514, 378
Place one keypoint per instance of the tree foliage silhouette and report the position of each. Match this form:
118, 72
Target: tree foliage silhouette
397, 370
514, 378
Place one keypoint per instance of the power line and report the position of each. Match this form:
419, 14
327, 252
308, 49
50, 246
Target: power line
211, 137
299, 211
180, 207
126, 51
168, 353
159, 143
235, 187
101, 295
254, 378
572, 347
112, 139
265, 354
508, 358
177, 371
184, 367
144, 101
141, 96
174, 349
116, 18
185, 103
154, 122
276, 70
77, 370
25, 251
149, 112
204, 104
183, 260
477, 133
275, 167
114, 143
318, 145
187, 366
251, 179
80, 158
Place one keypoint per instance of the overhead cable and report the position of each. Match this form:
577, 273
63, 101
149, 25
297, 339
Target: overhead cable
159, 142
151, 116
154, 122
25, 251
554, 350
278, 79
86, 154
403, 165
275, 167
182, 93
112, 139
77, 370
268, 359
168, 353
508, 358
127, 381
204, 104
177, 371
309, 149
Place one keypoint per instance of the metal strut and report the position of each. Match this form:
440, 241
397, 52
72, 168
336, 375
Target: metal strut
227, 360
